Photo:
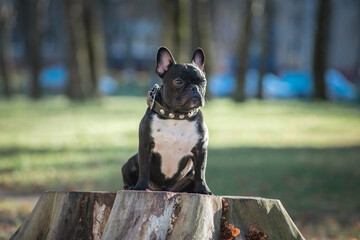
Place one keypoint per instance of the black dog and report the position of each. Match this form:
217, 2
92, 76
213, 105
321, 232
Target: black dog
173, 137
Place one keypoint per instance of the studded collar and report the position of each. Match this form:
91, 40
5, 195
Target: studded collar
163, 111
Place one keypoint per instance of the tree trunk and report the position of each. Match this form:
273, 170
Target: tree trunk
184, 31
32, 21
94, 43
6, 17
77, 57
320, 49
201, 33
153, 215
85, 54
243, 54
265, 45
195, 33
171, 21
67, 215
357, 77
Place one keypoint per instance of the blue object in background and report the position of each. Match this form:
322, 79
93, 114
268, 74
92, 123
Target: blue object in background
338, 87
252, 81
301, 84
108, 85
275, 87
292, 84
54, 78
222, 84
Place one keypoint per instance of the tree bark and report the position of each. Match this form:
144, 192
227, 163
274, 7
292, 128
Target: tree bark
77, 58
6, 17
243, 54
152, 215
85, 53
171, 22
67, 215
32, 21
195, 35
94, 43
201, 33
320, 49
265, 46
357, 78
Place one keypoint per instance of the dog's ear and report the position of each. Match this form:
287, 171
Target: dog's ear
199, 58
164, 60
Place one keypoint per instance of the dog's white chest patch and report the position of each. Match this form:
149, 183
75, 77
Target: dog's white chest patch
174, 139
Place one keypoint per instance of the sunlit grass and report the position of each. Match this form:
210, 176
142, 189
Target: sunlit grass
304, 153
282, 124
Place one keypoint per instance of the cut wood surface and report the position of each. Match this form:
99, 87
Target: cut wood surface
152, 215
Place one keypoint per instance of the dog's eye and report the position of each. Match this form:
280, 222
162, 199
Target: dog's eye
203, 82
179, 81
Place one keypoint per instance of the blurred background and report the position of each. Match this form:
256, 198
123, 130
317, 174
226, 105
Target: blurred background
283, 99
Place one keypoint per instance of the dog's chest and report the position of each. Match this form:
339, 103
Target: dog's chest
174, 140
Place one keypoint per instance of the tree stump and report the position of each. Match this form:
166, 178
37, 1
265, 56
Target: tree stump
152, 215
67, 215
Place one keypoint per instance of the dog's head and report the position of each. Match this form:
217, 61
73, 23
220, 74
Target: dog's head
184, 85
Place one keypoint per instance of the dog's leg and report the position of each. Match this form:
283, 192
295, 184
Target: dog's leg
146, 145
145, 157
130, 172
199, 160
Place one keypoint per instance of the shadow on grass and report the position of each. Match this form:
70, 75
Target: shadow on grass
312, 183
14, 151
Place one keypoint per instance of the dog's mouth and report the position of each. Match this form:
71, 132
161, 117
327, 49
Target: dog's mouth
189, 105
194, 103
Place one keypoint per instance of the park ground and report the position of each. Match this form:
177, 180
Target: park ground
307, 154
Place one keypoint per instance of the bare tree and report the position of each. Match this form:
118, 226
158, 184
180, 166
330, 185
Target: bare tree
243, 50
358, 82
32, 21
76, 54
171, 22
6, 18
265, 45
94, 43
357, 78
320, 48
195, 29
85, 54
201, 32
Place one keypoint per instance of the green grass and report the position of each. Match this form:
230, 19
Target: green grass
307, 154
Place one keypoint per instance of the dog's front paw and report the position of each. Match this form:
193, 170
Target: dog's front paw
128, 187
141, 186
202, 188
206, 192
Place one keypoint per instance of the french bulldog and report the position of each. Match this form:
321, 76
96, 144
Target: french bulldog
173, 137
